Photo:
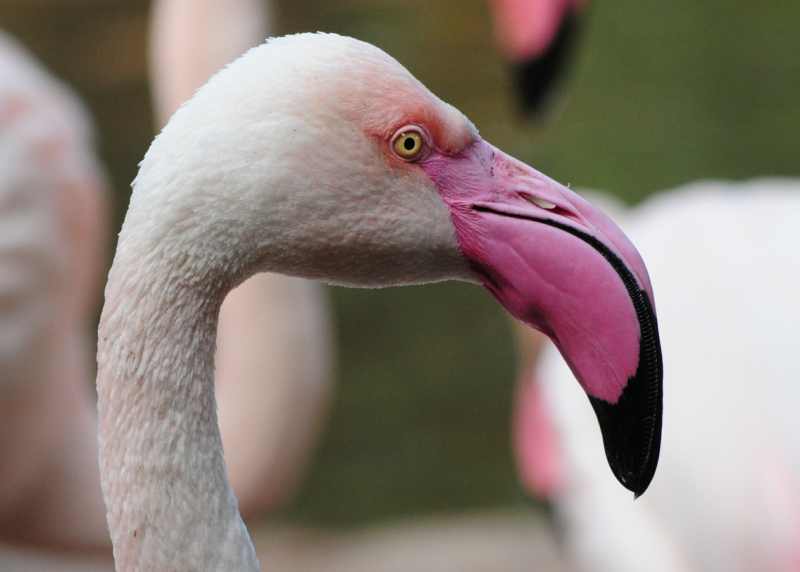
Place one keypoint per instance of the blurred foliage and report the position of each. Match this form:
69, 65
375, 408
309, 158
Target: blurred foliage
661, 93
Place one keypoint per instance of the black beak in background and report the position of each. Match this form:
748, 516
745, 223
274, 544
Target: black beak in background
536, 79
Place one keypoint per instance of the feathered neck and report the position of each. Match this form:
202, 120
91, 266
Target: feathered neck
169, 503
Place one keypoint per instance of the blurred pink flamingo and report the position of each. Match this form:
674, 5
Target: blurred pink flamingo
54, 207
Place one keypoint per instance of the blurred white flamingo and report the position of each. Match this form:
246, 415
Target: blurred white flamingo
727, 492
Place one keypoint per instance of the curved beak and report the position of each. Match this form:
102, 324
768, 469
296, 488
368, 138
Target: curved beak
562, 266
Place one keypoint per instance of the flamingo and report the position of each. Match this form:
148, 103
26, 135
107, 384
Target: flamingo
726, 497
319, 156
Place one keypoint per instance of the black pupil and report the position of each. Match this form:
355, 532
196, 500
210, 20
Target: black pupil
409, 143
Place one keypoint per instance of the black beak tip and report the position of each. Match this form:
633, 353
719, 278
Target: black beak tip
631, 427
632, 444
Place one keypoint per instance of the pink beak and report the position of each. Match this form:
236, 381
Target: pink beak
562, 266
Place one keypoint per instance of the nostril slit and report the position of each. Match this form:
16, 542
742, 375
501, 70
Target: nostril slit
549, 206
540, 202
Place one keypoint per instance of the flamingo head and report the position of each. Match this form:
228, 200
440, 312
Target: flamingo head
336, 163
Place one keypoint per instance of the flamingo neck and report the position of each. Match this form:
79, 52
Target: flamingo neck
169, 504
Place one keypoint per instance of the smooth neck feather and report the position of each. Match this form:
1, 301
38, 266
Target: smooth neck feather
169, 503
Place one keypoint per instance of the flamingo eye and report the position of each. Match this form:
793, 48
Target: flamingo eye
408, 143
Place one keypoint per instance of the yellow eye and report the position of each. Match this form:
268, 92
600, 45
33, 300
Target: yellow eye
408, 144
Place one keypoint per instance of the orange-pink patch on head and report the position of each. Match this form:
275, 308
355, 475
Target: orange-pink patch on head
447, 129
389, 98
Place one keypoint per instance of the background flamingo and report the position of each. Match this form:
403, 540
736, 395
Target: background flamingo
726, 495
53, 206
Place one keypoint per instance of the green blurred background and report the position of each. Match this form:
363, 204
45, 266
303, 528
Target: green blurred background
661, 93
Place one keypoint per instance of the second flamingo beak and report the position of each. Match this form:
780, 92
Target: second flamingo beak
562, 266
538, 37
